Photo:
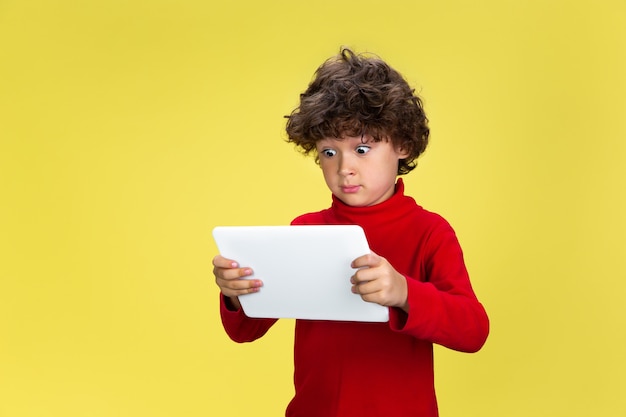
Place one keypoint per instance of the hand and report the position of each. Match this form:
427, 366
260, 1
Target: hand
231, 279
378, 282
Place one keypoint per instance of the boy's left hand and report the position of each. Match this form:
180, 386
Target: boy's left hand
378, 282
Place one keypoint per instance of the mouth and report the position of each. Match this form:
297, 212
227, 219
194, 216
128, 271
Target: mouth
350, 189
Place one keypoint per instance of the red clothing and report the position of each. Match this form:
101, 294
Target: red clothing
383, 369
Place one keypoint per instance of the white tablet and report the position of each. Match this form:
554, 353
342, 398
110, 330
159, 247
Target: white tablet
305, 271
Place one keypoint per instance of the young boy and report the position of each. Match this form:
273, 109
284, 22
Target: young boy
365, 126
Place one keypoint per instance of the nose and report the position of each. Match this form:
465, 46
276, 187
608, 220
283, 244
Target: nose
346, 166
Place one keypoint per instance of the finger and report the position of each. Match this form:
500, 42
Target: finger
369, 295
232, 279
364, 274
374, 297
232, 273
369, 260
365, 287
237, 293
239, 287
228, 268
221, 262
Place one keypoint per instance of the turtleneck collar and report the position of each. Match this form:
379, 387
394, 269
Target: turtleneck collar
396, 206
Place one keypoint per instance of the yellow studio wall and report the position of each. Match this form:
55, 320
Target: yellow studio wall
128, 130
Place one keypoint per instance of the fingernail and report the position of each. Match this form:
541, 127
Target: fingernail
234, 265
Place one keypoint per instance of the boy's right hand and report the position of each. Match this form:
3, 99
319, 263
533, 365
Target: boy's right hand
230, 278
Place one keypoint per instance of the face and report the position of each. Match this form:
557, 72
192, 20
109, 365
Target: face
359, 171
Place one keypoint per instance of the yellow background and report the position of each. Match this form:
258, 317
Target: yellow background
129, 129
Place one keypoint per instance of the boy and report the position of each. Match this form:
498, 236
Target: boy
366, 126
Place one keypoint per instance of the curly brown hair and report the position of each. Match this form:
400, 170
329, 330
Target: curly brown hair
356, 94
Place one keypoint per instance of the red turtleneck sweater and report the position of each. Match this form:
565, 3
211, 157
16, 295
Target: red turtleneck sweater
383, 369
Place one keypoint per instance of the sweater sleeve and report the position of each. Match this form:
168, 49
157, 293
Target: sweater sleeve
240, 327
443, 308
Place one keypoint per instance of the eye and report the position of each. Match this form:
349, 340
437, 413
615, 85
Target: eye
329, 153
362, 149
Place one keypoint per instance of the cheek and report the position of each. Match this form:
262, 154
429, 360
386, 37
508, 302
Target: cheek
394, 161
327, 168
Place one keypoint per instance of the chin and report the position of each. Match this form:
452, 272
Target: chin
354, 202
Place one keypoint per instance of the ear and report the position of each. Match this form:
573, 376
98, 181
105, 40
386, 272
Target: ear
402, 152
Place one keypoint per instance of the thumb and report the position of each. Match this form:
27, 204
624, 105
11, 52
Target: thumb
369, 260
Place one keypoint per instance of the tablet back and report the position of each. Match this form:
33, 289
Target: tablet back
305, 271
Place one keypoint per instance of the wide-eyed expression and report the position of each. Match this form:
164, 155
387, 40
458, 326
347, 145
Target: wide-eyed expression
358, 170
